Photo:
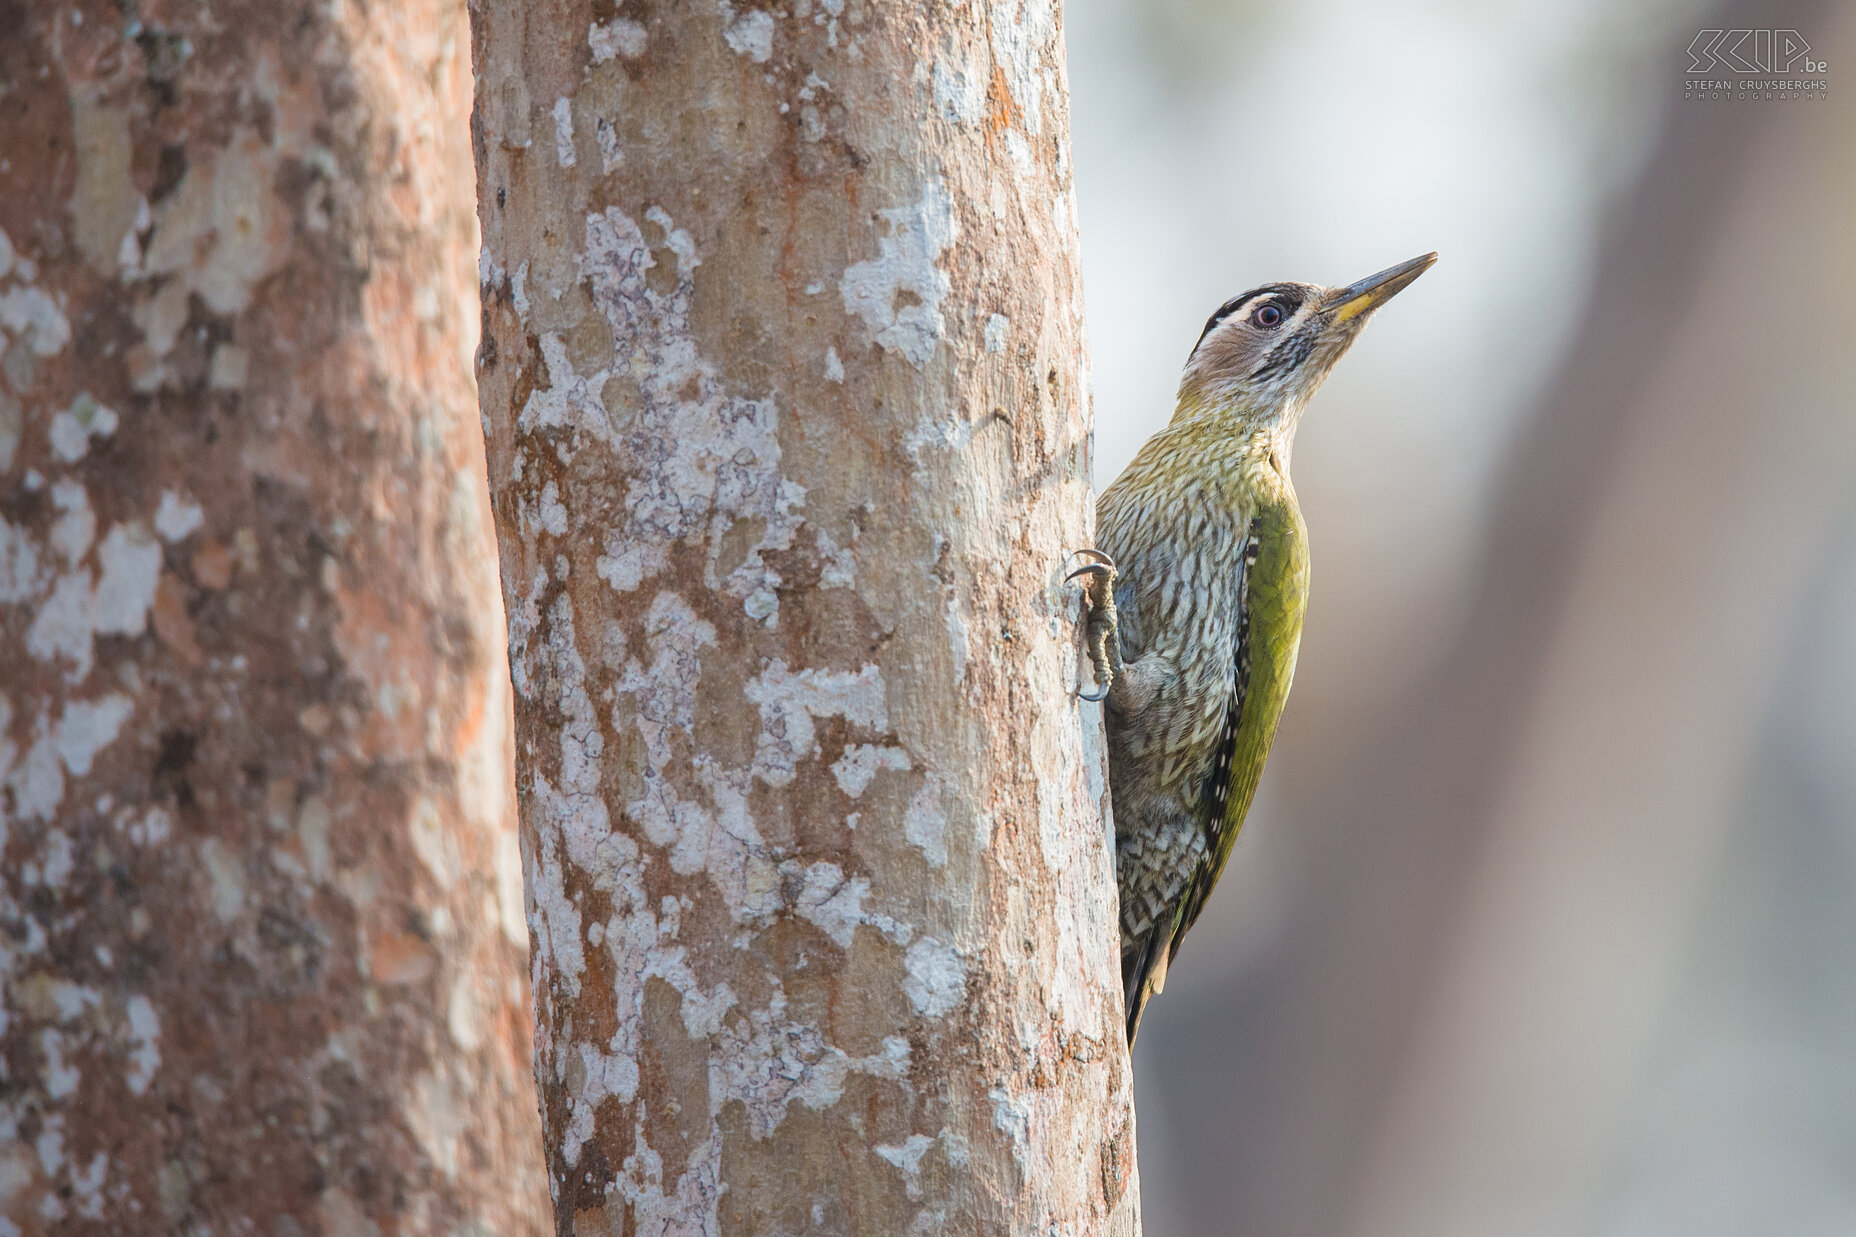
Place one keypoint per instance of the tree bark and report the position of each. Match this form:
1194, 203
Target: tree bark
785, 388
261, 917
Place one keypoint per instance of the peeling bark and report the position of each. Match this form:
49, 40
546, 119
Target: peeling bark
784, 385
260, 924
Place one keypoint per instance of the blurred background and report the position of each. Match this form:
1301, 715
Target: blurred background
1545, 920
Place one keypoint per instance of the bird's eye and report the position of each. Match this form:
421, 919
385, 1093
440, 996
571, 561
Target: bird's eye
1267, 315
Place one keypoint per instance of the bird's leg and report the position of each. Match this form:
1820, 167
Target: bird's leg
1099, 625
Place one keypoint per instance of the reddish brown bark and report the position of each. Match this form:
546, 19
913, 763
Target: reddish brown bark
260, 922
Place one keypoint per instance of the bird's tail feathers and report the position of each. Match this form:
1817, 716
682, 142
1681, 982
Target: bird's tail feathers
1143, 973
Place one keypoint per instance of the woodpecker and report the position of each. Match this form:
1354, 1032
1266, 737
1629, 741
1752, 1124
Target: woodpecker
1195, 596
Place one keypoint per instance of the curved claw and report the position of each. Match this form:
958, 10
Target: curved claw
1100, 602
1100, 564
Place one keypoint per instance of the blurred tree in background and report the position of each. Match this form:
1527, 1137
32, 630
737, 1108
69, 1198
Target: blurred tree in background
1537, 929
261, 931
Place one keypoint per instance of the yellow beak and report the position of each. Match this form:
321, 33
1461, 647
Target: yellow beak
1375, 290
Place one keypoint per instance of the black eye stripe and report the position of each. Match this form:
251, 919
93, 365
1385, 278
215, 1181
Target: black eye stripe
1288, 295
1224, 311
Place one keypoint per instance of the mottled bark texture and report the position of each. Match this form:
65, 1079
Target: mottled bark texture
783, 376
260, 926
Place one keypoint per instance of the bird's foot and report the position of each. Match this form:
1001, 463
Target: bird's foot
1099, 624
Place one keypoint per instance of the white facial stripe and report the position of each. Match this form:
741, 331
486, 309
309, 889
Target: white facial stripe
1248, 306
1273, 337
1244, 309
1282, 329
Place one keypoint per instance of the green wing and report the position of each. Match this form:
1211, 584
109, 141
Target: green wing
1272, 595
1271, 601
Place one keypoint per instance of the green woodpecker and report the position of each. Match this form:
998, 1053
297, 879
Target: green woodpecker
1195, 601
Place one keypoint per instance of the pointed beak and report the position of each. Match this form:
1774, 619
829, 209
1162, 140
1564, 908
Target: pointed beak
1375, 290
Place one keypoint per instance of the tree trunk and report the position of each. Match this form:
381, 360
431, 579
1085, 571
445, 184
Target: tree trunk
261, 942
784, 382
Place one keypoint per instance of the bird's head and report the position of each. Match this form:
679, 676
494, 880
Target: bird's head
1265, 352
